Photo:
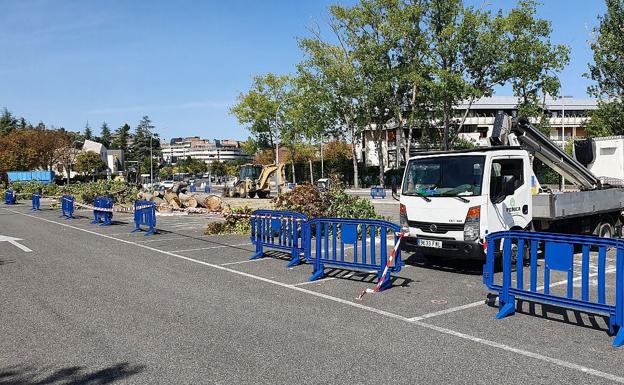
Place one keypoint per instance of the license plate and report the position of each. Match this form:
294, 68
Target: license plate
430, 243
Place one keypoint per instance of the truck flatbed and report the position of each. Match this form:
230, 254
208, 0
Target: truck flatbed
561, 205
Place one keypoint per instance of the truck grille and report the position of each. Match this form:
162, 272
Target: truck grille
436, 228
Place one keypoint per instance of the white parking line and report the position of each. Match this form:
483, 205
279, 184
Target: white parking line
468, 337
245, 261
213, 247
161, 239
483, 302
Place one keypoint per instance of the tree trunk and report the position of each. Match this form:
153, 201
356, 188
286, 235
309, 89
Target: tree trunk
187, 200
380, 156
311, 172
172, 199
356, 182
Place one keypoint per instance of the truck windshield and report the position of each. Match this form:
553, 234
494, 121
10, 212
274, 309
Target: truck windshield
444, 176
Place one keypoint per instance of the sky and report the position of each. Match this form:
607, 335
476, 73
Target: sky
183, 63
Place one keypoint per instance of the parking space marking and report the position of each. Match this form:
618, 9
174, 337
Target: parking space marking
213, 247
161, 239
464, 336
317, 281
483, 302
245, 261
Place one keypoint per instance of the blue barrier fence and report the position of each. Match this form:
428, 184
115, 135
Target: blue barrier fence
193, 188
67, 206
10, 198
36, 202
331, 235
281, 230
378, 192
103, 211
559, 255
207, 188
145, 215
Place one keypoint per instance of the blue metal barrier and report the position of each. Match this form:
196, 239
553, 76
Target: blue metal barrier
10, 198
36, 202
193, 188
332, 234
559, 255
102, 217
378, 192
145, 215
207, 188
281, 230
67, 206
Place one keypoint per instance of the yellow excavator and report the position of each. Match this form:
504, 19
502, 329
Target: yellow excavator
255, 179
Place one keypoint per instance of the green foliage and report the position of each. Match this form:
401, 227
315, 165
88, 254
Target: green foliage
259, 108
8, 122
88, 133
608, 72
89, 163
531, 61
105, 135
122, 134
607, 120
121, 192
336, 202
232, 224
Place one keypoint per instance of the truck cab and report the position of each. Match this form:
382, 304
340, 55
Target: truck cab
451, 200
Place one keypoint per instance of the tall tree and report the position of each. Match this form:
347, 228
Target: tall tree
144, 144
331, 69
122, 135
532, 61
608, 72
105, 135
8, 122
259, 108
88, 133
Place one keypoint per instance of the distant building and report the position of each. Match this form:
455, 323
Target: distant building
567, 120
202, 149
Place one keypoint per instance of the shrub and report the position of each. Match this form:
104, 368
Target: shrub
232, 224
333, 203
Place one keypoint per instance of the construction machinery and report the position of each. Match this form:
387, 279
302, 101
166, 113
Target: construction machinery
257, 179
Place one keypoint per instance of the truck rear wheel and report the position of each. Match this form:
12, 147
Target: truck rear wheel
605, 230
252, 194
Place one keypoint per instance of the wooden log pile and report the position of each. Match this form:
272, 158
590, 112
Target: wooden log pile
180, 197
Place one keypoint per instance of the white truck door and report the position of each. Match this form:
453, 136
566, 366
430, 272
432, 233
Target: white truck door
513, 210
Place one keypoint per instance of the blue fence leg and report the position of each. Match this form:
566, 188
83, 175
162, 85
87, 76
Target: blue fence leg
259, 253
295, 259
507, 302
619, 338
386, 282
319, 269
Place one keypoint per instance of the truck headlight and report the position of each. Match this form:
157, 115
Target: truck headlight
403, 219
472, 224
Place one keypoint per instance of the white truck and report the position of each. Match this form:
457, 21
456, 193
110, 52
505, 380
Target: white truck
451, 200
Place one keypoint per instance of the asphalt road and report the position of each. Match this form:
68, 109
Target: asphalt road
97, 305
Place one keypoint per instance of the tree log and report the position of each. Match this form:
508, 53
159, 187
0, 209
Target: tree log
187, 200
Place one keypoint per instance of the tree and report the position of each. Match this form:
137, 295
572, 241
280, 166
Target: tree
250, 147
166, 171
120, 141
88, 134
8, 122
259, 108
217, 168
145, 144
531, 61
608, 72
332, 70
89, 163
105, 135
